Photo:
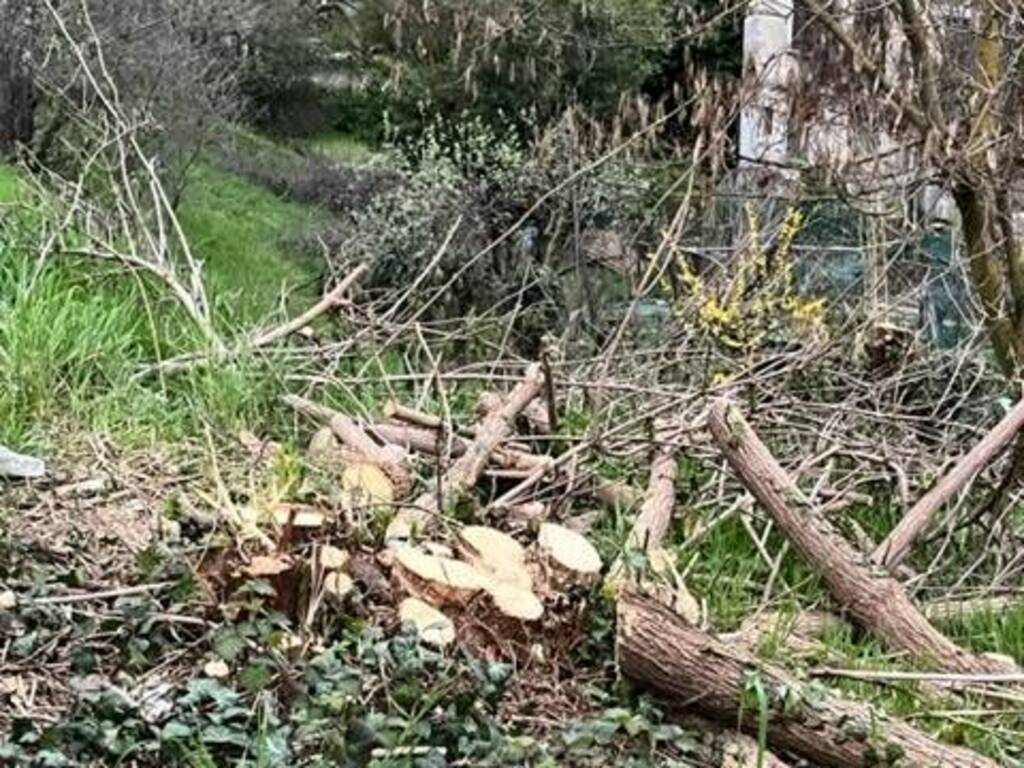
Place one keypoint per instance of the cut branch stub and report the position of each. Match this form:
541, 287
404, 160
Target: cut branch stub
876, 600
569, 559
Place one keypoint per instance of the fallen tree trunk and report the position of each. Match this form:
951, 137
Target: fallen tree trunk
897, 544
655, 516
690, 668
464, 473
875, 599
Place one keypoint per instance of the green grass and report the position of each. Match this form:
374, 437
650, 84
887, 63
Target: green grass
241, 232
74, 334
9, 184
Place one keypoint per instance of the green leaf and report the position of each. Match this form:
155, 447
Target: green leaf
228, 644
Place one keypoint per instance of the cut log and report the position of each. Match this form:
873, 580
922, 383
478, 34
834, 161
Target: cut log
425, 441
395, 410
895, 547
515, 602
655, 516
389, 458
569, 559
466, 470
366, 485
434, 627
876, 600
958, 610
649, 532
690, 668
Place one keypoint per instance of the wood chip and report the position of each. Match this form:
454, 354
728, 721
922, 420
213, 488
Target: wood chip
267, 565
218, 669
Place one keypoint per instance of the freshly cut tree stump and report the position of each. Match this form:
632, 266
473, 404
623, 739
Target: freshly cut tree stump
875, 599
439, 581
691, 669
568, 558
496, 553
515, 602
466, 470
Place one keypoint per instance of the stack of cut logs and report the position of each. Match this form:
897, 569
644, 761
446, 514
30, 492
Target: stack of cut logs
661, 644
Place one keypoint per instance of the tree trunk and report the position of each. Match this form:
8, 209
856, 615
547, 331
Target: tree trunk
876, 600
692, 669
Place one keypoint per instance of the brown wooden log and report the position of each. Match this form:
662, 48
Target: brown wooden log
875, 599
655, 515
464, 473
690, 668
896, 546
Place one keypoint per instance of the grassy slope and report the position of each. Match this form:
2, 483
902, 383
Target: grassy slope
241, 231
72, 335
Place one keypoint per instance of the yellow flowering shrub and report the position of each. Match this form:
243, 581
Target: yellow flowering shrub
758, 297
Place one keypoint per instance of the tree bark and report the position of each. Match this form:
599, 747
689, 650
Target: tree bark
897, 544
876, 600
690, 668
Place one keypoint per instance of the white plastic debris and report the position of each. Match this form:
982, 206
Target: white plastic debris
16, 465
